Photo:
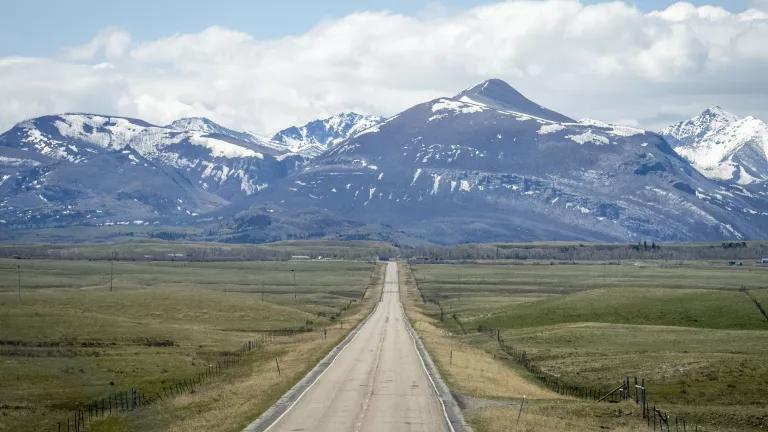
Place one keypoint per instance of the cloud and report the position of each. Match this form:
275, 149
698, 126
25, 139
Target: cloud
608, 61
112, 43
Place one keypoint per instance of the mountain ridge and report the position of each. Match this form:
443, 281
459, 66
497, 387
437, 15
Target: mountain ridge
428, 168
486, 164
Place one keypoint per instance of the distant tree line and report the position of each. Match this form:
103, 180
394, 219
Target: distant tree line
589, 251
170, 250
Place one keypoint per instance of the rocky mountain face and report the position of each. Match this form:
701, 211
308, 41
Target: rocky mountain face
486, 164
723, 146
93, 169
490, 165
318, 136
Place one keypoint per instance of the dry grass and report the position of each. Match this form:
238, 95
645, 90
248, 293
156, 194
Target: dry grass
472, 371
552, 418
467, 370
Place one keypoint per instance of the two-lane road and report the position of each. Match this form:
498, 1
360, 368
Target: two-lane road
377, 383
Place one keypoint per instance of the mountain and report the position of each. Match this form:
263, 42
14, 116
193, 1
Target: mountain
85, 168
490, 165
318, 136
723, 146
486, 164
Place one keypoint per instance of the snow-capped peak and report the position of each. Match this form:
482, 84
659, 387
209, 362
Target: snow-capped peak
317, 136
708, 122
201, 124
722, 145
498, 94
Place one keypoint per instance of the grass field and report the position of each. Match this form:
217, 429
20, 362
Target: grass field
690, 330
69, 339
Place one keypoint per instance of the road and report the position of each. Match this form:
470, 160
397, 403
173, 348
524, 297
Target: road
377, 383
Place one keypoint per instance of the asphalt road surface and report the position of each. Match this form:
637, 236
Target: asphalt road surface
377, 383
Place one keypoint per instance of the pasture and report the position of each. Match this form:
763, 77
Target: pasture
691, 329
80, 330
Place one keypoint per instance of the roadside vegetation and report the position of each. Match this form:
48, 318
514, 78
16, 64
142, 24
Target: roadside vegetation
74, 334
690, 329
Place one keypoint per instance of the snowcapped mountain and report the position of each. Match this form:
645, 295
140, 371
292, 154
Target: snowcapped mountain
723, 146
318, 136
88, 167
487, 164
490, 165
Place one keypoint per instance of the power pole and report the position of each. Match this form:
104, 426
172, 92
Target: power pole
111, 274
293, 272
18, 272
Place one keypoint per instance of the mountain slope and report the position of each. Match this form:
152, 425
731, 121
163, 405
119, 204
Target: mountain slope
85, 168
723, 146
318, 136
491, 165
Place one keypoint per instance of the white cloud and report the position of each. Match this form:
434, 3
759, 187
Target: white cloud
111, 42
607, 61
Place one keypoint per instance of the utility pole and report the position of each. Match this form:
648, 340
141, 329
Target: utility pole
111, 274
293, 272
18, 272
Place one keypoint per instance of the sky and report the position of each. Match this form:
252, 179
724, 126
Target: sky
261, 67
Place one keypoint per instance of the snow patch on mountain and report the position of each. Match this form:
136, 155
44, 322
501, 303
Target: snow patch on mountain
221, 148
613, 129
589, 137
550, 128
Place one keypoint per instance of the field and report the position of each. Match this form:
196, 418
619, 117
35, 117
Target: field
690, 329
81, 330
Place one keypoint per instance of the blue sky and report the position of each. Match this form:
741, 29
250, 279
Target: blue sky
41, 28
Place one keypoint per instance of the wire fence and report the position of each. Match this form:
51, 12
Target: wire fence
133, 399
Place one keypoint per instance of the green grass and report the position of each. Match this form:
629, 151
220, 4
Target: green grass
682, 365
688, 329
69, 339
639, 306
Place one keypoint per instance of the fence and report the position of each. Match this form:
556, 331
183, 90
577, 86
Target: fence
628, 390
130, 400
